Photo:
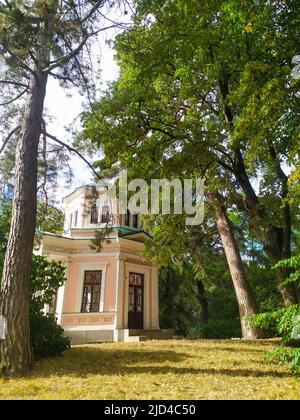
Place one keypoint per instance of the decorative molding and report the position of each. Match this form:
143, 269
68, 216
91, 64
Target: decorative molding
57, 249
66, 252
88, 319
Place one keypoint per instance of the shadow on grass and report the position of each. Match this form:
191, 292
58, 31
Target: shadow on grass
85, 361
233, 350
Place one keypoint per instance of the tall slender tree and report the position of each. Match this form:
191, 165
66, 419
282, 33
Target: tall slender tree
38, 39
245, 298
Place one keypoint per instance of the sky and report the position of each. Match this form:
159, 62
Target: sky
64, 109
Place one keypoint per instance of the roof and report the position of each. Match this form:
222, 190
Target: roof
123, 232
77, 189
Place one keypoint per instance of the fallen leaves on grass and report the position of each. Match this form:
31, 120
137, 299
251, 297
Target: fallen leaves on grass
205, 369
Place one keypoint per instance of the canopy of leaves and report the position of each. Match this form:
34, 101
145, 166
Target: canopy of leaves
200, 83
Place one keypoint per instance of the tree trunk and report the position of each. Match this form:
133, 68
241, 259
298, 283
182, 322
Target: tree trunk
203, 302
276, 239
15, 350
246, 302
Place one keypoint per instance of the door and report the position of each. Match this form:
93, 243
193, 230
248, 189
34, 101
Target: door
136, 301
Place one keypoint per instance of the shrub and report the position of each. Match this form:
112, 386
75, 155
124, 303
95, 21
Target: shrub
47, 337
291, 356
216, 329
283, 322
286, 324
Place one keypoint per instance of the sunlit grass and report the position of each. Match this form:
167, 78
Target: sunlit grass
203, 369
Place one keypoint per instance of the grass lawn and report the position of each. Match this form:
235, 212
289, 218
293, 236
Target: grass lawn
204, 369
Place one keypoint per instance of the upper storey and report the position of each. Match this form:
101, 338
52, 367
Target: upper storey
90, 208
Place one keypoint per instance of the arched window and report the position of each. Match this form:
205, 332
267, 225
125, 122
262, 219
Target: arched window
94, 214
127, 218
105, 218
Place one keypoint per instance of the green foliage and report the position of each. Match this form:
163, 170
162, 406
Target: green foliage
178, 303
290, 356
293, 264
224, 320
100, 237
286, 324
216, 329
47, 337
197, 89
49, 218
5, 214
283, 322
180, 306
46, 277
263, 283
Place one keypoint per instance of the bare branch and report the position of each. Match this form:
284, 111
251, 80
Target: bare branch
77, 50
14, 99
10, 82
72, 150
22, 64
63, 78
225, 166
92, 11
81, 72
9, 137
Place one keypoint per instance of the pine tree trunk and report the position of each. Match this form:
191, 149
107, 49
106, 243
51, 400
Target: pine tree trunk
246, 302
15, 350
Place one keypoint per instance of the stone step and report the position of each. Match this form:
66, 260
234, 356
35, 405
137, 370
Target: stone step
133, 339
152, 334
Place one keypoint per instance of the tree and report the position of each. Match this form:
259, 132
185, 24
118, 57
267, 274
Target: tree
38, 40
198, 78
155, 110
46, 277
245, 298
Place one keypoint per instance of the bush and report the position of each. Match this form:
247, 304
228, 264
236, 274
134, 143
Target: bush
283, 322
286, 324
216, 329
283, 355
180, 305
46, 336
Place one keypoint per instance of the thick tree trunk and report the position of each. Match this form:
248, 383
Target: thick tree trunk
246, 302
203, 302
15, 350
276, 239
